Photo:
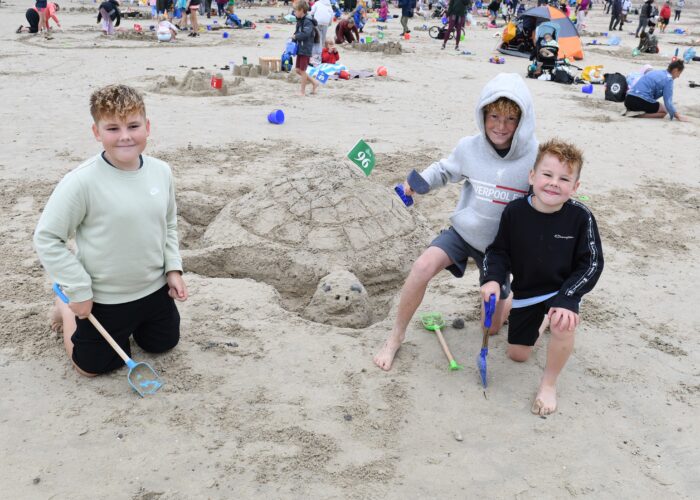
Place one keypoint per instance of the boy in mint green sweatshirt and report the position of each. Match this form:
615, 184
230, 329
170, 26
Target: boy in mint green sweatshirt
120, 208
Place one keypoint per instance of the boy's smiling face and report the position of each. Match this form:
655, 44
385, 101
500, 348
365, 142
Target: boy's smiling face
124, 139
553, 183
500, 128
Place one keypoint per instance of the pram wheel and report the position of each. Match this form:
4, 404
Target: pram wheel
438, 33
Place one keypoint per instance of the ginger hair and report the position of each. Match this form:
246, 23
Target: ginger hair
503, 105
565, 152
118, 101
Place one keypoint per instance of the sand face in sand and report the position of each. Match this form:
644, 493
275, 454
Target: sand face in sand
294, 231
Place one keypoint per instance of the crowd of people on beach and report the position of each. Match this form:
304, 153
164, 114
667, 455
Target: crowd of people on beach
515, 191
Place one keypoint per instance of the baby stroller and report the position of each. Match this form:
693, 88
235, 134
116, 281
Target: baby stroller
545, 54
439, 33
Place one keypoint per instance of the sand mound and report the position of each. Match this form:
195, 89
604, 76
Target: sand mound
388, 48
340, 300
198, 83
294, 231
143, 36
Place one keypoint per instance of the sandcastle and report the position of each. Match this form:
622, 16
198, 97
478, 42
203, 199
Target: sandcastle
295, 231
388, 48
198, 83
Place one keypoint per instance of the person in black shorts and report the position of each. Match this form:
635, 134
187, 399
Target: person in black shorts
550, 244
120, 207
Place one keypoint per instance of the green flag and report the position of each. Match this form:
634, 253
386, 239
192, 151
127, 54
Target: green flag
362, 156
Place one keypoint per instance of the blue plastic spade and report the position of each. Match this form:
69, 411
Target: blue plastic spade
142, 378
489, 309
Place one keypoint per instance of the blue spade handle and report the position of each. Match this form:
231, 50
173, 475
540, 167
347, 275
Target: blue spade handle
489, 309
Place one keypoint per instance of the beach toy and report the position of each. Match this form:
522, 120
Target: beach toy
224, 34
675, 55
380, 35
322, 77
594, 42
688, 54
138, 28
142, 378
291, 48
215, 21
444, 19
217, 81
368, 39
266, 36
276, 117
605, 33
462, 37
344, 75
381, 71
151, 28
362, 40
407, 36
587, 89
497, 60
614, 41
245, 60
584, 197
489, 309
635, 52
407, 200
433, 322
208, 27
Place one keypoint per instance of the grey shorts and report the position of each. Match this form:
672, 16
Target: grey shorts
459, 252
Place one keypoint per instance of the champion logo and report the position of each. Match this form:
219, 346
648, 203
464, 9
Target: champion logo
560, 237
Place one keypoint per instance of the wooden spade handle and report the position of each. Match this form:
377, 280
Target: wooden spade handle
109, 339
446, 349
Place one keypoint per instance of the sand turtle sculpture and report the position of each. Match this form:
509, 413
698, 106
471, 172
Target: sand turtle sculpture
322, 236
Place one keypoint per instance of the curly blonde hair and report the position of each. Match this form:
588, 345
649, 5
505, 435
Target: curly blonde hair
565, 152
504, 106
117, 101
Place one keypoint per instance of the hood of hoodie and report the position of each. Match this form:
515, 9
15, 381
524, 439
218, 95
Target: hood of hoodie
511, 86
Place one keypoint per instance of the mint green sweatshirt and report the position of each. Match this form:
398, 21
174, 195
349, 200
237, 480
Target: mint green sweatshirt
125, 228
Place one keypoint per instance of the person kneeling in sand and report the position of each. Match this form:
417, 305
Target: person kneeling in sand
494, 166
120, 207
550, 244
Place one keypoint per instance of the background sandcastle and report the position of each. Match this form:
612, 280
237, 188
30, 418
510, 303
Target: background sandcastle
198, 83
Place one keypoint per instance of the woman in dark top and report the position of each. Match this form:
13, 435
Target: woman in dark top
456, 12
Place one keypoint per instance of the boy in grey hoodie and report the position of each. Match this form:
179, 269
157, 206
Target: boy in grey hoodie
494, 166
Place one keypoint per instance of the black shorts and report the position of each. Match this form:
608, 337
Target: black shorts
524, 323
634, 103
459, 252
153, 320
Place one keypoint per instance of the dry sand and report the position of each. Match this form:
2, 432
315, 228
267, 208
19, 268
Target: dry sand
260, 402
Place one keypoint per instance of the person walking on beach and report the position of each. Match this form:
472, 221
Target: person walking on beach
679, 7
456, 13
407, 8
322, 13
644, 16
615, 15
493, 167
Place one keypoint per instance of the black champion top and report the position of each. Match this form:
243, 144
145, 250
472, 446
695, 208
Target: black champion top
546, 252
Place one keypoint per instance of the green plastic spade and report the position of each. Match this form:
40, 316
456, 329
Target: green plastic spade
433, 322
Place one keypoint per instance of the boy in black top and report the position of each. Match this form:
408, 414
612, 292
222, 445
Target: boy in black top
551, 245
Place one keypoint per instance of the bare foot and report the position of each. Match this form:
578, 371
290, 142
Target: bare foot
56, 319
313, 91
545, 401
385, 357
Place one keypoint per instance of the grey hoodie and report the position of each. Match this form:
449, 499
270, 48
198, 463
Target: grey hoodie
490, 182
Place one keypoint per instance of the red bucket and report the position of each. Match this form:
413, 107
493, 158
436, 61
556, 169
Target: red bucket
217, 81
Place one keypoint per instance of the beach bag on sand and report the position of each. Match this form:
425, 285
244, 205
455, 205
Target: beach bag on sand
287, 62
560, 75
615, 87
